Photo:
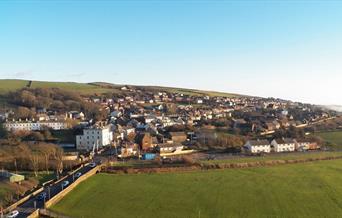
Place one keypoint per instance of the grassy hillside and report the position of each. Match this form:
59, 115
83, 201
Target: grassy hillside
299, 190
96, 87
83, 88
334, 138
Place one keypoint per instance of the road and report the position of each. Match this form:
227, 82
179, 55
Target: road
29, 206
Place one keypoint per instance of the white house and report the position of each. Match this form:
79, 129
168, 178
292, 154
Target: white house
258, 146
170, 147
34, 126
283, 145
94, 137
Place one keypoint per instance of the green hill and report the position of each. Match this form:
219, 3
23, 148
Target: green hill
7, 85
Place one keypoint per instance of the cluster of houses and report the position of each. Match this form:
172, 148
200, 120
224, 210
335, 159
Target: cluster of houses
140, 121
279, 145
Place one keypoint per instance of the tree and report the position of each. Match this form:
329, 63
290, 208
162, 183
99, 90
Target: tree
47, 151
23, 113
3, 131
59, 158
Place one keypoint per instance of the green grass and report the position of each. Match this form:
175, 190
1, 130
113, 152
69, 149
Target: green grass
83, 88
4, 189
282, 156
7, 85
41, 178
299, 190
332, 137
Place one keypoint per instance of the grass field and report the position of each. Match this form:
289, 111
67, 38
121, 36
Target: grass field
299, 190
83, 88
277, 156
7, 85
332, 137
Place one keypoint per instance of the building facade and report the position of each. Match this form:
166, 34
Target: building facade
34, 126
96, 137
257, 146
283, 145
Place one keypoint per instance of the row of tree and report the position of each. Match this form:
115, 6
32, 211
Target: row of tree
28, 100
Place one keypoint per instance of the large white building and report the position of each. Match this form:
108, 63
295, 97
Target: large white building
257, 146
283, 145
94, 137
34, 126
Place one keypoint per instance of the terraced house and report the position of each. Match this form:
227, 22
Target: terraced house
283, 145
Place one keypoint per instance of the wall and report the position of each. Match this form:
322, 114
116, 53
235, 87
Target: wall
60, 195
15, 205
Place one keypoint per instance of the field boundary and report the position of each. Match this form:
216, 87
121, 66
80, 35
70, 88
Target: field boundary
61, 194
212, 166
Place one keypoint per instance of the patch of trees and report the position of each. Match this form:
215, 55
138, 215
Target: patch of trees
291, 132
28, 100
22, 156
212, 139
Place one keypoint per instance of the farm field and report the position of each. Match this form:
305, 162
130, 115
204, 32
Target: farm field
332, 137
298, 190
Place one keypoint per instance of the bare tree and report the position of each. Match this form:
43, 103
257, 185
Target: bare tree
34, 159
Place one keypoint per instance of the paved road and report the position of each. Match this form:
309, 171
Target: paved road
27, 207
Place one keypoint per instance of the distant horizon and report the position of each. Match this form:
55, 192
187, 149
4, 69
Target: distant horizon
283, 49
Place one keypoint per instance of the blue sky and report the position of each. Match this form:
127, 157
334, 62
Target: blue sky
286, 49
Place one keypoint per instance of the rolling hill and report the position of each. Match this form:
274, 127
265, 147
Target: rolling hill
7, 85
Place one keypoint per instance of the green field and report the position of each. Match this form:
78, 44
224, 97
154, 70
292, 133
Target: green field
83, 88
278, 156
7, 85
332, 137
299, 190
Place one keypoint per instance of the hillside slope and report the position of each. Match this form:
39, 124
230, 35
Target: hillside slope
7, 85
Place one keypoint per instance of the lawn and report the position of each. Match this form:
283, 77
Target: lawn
299, 190
332, 137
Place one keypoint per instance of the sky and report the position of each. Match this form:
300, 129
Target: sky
286, 49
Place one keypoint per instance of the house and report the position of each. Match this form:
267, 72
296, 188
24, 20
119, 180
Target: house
128, 149
146, 141
94, 137
11, 177
75, 115
169, 148
34, 126
178, 137
283, 145
304, 145
257, 146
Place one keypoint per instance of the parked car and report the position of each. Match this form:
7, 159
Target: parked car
42, 196
65, 183
13, 214
78, 175
92, 165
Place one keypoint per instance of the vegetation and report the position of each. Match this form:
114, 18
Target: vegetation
279, 156
299, 190
97, 88
331, 138
82, 88
28, 100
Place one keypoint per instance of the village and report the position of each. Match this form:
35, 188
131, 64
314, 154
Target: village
142, 124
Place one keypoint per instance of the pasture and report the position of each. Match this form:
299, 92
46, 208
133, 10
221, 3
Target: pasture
297, 190
334, 138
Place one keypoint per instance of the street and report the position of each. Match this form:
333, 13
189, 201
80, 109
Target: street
29, 206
